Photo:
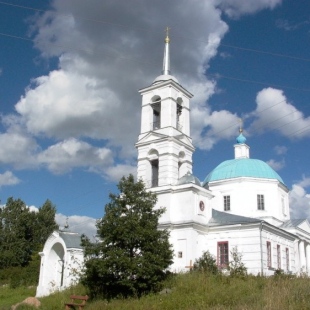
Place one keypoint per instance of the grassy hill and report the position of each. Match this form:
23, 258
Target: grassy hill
190, 291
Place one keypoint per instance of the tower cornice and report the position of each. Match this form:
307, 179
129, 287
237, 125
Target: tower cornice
163, 84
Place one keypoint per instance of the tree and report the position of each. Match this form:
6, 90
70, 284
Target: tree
236, 266
45, 223
23, 232
133, 254
206, 263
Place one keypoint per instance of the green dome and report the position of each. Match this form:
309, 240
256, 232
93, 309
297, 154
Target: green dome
189, 178
242, 167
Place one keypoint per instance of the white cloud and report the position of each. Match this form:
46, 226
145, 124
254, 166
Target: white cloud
235, 8
17, 149
214, 127
117, 172
276, 165
288, 26
300, 199
33, 209
104, 58
8, 178
280, 150
275, 112
65, 155
80, 224
65, 104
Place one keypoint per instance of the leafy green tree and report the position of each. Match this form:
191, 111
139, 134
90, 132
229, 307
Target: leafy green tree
23, 232
206, 263
133, 254
236, 266
45, 223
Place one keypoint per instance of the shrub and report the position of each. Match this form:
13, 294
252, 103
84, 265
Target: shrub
236, 266
206, 263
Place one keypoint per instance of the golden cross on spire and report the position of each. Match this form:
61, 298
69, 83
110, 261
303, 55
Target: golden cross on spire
167, 40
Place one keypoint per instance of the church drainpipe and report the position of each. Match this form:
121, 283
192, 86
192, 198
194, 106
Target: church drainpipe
261, 249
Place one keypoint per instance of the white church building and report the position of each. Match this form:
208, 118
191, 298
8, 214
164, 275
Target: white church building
242, 203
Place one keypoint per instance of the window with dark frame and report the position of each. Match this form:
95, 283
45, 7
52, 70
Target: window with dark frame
227, 203
260, 202
156, 106
269, 264
154, 164
279, 256
287, 258
222, 254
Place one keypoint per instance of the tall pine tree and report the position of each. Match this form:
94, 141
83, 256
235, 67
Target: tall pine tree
133, 254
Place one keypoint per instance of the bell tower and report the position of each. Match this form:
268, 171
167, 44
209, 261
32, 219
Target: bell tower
164, 145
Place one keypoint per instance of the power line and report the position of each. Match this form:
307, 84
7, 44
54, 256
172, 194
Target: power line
257, 82
113, 51
185, 37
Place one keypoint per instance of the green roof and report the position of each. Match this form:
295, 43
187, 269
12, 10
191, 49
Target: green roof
242, 167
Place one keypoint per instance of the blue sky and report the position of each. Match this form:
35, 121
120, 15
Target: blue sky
70, 109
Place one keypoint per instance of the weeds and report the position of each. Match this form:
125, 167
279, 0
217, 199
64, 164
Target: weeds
192, 290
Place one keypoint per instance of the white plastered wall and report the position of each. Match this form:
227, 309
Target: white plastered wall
243, 198
59, 267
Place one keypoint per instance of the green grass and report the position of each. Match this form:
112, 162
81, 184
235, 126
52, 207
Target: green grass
10, 296
191, 291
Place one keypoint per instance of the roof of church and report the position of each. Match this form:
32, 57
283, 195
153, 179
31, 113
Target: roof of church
189, 178
71, 239
223, 218
242, 167
241, 138
165, 77
292, 223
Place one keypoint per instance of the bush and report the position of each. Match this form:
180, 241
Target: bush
206, 263
236, 266
21, 276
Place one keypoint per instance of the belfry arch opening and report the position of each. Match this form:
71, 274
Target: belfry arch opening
179, 113
156, 107
154, 167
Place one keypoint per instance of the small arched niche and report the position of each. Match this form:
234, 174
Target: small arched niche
181, 166
56, 265
156, 108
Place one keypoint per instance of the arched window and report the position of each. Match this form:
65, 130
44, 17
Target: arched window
155, 170
179, 113
156, 106
154, 167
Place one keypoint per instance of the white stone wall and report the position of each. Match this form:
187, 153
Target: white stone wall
243, 198
60, 267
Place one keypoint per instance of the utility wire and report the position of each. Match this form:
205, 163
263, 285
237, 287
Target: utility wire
185, 37
114, 51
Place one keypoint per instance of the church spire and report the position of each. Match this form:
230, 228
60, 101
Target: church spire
166, 63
